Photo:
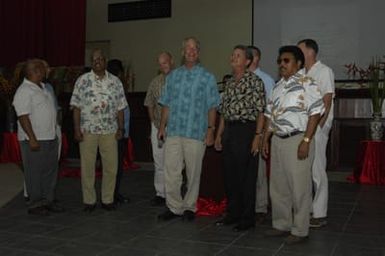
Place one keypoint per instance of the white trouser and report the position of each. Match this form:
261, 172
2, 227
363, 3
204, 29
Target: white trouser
261, 201
319, 176
158, 156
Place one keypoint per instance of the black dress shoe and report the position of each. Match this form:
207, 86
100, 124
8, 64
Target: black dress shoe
38, 211
89, 208
109, 207
55, 208
158, 201
226, 221
121, 199
243, 226
188, 215
167, 215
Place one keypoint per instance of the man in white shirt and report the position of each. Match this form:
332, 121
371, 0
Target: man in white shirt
262, 195
324, 77
292, 114
98, 103
36, 111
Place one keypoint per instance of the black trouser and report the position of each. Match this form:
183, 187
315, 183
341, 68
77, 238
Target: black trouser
122, 150
240, 170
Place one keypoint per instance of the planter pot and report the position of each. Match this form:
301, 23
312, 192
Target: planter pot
376, 128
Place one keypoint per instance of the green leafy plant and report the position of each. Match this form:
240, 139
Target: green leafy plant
376, 85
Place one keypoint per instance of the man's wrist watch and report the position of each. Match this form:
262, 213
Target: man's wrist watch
306, 139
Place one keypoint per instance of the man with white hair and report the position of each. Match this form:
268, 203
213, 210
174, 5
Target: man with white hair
189, 102
154, 91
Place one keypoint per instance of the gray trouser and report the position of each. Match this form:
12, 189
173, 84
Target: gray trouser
40, 171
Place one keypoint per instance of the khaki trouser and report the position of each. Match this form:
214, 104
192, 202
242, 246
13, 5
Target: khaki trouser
290, 185
182, 152
109, 153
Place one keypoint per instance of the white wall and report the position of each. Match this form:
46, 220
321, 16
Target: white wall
347, 31
219, 25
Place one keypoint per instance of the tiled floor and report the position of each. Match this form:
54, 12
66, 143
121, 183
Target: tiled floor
356, 227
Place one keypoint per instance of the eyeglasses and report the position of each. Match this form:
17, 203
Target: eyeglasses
285, 60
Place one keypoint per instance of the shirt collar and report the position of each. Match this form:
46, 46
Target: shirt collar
294, 77
196, 66
34, 84
95, 77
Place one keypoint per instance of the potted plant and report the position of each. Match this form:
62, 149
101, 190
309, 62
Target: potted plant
377, 93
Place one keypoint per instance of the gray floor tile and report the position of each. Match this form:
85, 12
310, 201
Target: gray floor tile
80, 249
240, 251
356, 225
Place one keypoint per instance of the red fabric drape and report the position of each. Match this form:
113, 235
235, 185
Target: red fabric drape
370, 167
50, 29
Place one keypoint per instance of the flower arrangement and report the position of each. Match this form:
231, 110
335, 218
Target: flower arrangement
376, 73
374, 76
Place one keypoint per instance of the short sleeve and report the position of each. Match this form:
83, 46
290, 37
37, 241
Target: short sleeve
165, 97
326, 82
22, 101
313, 99
213, 98
76, 97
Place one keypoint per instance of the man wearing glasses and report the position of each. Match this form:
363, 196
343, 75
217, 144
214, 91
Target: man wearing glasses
293, 111
98, 103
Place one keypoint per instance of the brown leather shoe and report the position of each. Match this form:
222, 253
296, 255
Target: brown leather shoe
276, 233
109, 207
167, 215
318, 222
39, 211
55, 208
260, 217
89, 208
292, 239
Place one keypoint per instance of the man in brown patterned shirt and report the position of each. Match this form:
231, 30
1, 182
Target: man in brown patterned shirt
166, 64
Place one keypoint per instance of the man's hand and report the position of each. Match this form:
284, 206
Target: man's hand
303, 150
218, 143
265, 148
119, 134
256, 145
161, 133
34, 145
209, 140
78, 135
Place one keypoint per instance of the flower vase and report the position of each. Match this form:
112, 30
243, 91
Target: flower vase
376, 128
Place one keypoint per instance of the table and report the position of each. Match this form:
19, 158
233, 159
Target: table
10, 148
370, 167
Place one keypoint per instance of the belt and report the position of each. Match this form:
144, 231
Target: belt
240, 122
288, 135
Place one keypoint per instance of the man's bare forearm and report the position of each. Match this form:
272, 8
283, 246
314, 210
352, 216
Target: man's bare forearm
25, 123
76, 118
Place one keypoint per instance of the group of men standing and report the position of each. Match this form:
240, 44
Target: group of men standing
182, 105
298, 118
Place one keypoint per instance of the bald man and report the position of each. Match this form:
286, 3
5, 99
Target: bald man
36, 112
166, 64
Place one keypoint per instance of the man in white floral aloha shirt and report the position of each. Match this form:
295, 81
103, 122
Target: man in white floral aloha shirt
98, 102
293, 112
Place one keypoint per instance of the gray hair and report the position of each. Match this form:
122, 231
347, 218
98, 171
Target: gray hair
196, 41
